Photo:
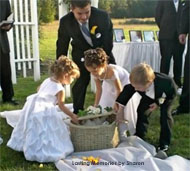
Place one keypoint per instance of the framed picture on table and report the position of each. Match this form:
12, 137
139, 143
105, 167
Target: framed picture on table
119, 35
149, 36
135, 36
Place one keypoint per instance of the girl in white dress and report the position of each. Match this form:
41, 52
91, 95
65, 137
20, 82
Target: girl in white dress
40, 131
110, 80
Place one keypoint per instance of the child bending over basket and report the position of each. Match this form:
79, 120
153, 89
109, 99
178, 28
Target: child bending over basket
110, 80
153, 87
40, 131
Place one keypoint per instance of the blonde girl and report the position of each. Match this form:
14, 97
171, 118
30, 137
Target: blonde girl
40, 131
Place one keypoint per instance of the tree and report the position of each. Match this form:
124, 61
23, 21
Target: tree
119, 8
46, 11
106, 5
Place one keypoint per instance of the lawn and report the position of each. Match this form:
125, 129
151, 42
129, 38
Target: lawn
11, 160
14, 161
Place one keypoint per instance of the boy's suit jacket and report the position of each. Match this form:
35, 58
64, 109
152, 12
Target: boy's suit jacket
162, 84
5, 11
167, 19
69, 29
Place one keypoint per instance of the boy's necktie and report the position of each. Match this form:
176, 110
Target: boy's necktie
85, 30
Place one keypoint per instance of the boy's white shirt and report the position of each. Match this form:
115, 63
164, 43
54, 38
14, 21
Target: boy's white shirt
150, 92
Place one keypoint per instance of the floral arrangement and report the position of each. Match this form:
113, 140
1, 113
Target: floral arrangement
100, 118
93, 29
91, 110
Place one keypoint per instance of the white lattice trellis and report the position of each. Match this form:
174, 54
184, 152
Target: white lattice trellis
23, 38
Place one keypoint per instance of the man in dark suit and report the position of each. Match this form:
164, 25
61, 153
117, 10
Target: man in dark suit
156, 89
5, 68
86, 27
184, 30
167, 16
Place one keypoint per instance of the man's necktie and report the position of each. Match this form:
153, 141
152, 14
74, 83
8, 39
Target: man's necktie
85, 30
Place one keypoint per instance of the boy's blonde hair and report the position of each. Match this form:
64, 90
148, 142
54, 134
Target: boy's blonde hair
64, 65
142, 74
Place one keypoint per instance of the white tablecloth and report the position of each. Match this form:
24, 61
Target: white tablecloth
128, 54
134, 154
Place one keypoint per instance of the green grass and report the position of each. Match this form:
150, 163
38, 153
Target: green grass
48, 38
11, 160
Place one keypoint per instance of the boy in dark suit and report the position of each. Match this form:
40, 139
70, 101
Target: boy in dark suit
86, 27
167, 17
152, 87
5, 67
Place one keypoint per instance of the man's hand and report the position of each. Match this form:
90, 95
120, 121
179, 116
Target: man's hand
6, 28
182, 38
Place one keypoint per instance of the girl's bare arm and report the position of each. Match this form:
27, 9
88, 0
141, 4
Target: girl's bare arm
61, 100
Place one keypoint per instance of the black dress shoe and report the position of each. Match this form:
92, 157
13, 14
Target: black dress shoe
179, 111
163, 148
12, 102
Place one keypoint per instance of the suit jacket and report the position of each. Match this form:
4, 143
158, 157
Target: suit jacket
69, 29
167, 19
162, 84
5, 11
184, 18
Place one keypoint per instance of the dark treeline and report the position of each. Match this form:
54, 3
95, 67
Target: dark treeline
129, 8
48, 9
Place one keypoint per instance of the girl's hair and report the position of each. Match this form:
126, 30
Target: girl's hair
64, 65
95, 57
142, 74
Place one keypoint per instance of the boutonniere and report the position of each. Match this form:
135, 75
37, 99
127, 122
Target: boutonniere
93, 29
162, 99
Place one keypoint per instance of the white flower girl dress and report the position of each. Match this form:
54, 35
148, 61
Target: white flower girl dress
39, 130
109, 96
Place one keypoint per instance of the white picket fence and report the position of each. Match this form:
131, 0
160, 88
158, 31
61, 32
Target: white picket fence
23, 39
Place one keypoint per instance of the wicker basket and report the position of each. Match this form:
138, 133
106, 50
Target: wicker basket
87, 138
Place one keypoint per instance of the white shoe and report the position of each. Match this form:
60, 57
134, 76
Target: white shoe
179, 91
161, 155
